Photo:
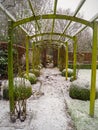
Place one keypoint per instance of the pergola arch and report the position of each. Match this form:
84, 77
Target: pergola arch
49, 33
91, 23
52, 16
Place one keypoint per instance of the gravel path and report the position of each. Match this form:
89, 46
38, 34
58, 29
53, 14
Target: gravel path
46, 111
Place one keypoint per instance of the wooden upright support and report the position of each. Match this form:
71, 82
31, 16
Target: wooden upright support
74, 57
66, 67
27, 55
93, 74
33, 60
58, 56
10, 66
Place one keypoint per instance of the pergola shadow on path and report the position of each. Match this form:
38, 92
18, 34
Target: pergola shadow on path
91, 23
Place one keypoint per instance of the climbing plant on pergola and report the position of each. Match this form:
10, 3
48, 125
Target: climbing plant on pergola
91, 23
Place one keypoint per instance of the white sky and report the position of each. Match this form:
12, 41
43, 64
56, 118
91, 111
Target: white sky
89, 9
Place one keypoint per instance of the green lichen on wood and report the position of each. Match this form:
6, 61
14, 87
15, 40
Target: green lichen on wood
27, 55
10, 66
74, 58
93, 75
54, 16
66, 67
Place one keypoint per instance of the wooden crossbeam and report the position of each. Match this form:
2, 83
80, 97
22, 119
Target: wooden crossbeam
77, 10
52, 16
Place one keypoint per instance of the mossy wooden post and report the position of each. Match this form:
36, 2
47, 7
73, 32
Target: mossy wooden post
74, 57
93, 74
33, 62
27, 55
66, 67
58, 56
10, 66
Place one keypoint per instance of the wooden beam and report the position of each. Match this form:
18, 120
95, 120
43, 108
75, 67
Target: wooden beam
7, 13
48, 40
31, 7
55, 8
10, 67
42, 34
66, 67
77, 10
27, 55
93, 73
74, 57
52, 16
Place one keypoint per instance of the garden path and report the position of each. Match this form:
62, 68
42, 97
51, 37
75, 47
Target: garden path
47, 110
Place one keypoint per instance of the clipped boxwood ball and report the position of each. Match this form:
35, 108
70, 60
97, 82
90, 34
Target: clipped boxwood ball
70, 72
31, 77
80, 90
79, 93
35, 71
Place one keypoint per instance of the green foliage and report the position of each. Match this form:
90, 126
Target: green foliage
20, 93
70, 72
35, 71
79, 93
3, 62
31, 77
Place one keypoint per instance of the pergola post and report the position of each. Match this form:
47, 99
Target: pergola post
27, 55
33, 63
10, 66
66, 67
58, 56
74, 57
93, 74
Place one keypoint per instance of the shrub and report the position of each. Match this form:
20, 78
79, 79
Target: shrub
80, 90
31, 77
22, 89
70, 72
20, 93
35, 71
79, 93
3, 62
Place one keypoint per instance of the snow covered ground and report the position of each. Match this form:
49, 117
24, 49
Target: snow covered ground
79, 110
52, 110
45, 112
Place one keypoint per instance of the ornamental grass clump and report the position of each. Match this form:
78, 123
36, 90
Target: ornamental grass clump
22, 89
31, 77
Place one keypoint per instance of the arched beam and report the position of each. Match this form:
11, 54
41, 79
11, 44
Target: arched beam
48, 40
42, 34
54, 16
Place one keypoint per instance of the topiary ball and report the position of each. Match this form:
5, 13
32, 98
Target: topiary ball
35, 71
70, 72
31, 77
80, 89
79, 93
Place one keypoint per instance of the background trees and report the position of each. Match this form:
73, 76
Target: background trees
20, 9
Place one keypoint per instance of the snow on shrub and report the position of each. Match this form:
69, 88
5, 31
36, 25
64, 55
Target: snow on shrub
80, 89
31, 77
70, 72
35, 71
22, 89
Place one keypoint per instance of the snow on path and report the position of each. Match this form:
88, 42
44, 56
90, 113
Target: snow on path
49, 112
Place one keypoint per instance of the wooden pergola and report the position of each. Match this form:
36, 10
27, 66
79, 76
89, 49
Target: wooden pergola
91, 23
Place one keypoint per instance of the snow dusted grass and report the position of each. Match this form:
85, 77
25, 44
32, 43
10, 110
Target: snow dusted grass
79, 110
